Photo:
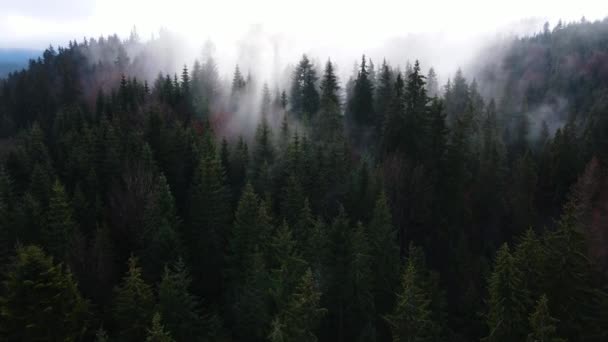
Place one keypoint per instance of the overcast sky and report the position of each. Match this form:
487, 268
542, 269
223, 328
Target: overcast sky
36, 23
340, 29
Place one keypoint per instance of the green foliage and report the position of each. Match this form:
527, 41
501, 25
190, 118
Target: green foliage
348, 295
40, 300
95, 175
542, 324
133, 304
304, 97
411, 319
506, 318
384, 251
360, 109
157, 332
300, 317
60, 227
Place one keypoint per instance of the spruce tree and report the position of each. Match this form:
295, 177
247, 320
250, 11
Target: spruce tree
160, 242
157, 333
360, 111
208, 223
60, 227
411, 317
133, 304
179, 308
40, 300
328, 125
506, 317
384, 250
542, 324
299, 319
304, 97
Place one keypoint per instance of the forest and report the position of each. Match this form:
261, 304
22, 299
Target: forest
382, 207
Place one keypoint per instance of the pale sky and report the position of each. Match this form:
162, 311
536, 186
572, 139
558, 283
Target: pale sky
324, 28
36, 23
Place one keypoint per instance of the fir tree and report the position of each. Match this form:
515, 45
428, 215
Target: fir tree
299, 319
411, 318
179, 307
304, 97
60, 227
542, 324
157, 332
133, 304
40, 300
506, 318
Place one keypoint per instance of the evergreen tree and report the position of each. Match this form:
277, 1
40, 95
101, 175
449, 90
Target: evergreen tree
348, 296
157, 332
41, 301
506, 318
416, 123
133, 304
304, 97
286, 265
384, 250
180, 308
60, 228
329, 121
299, 319
542, 324
360, 111
161, 243
411, 318
263, 156
384, 95
432, 87
329, 86
209, 221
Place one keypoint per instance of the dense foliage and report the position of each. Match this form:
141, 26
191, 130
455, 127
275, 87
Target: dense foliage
383, 208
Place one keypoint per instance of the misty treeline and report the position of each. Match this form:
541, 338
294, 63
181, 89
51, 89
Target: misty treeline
382, 207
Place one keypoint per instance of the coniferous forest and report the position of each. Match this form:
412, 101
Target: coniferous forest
381, 207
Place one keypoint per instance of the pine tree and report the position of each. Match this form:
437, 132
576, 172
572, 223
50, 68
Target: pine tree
506, 318
299, 319
263, 156
393, 122
411, 318
160, 242
7, 213
101, 335
328, 125
432, 87
157, 332
329, 86
238, 170
246, 235
361, 107
208, 224
348, 296
133, 304
40, 300
286, 264
542, 324
416, 125
384, 95
266, 106
384, 250
304, 97
179, 307
60, 227
251, 303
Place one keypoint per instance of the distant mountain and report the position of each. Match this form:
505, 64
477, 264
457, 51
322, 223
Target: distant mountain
15, 59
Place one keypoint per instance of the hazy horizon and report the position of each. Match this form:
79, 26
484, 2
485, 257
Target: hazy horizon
277, 33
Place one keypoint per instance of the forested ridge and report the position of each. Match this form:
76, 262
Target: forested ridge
383, 207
